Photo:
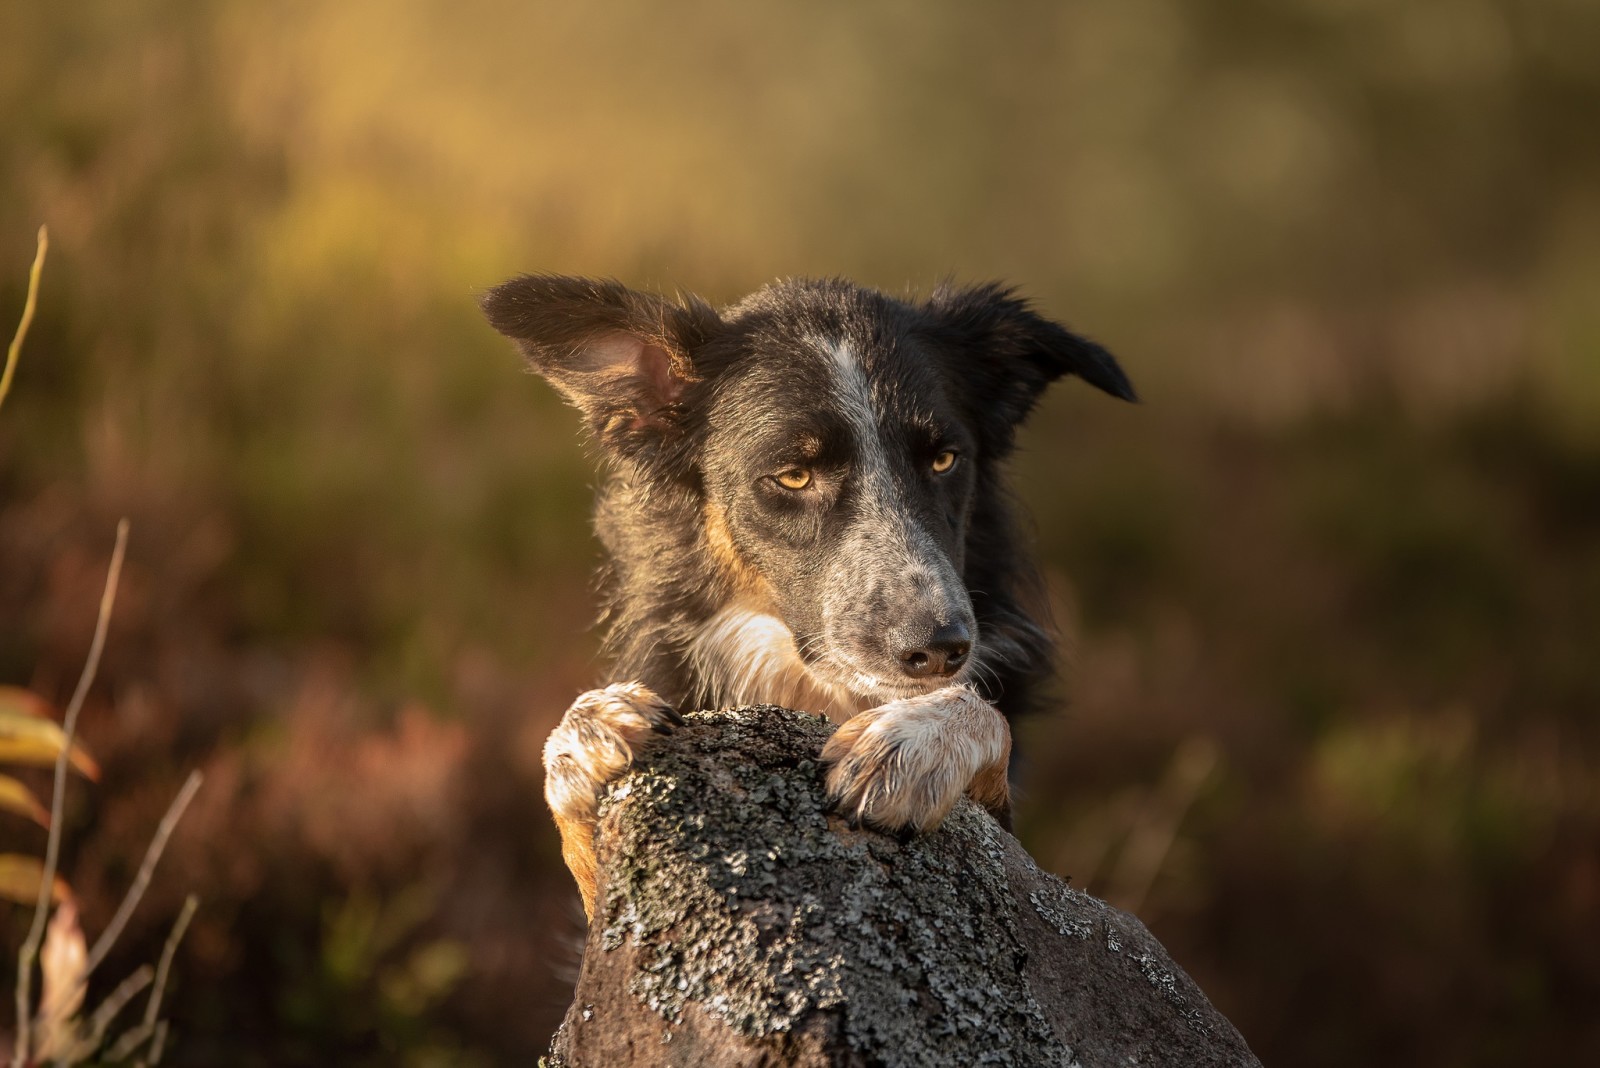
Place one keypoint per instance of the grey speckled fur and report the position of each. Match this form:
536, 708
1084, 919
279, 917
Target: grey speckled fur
740, 923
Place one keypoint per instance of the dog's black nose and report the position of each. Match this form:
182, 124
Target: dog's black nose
941, 654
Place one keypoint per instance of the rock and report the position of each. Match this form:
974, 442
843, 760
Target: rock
739, 923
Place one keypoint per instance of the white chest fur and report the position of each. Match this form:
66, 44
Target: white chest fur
744, 656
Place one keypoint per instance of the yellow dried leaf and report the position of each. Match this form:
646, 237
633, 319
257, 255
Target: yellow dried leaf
15, 797
16, 699
19, 880
61, 963
27, 739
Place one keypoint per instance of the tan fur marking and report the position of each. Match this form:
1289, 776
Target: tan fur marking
577, 849
719, 540
991, 787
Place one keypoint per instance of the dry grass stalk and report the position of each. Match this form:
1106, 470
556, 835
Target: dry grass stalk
29, 952
133, 1038
152, 855
108, 1010
157, 1045
153, 1026
15, 350
61, 1037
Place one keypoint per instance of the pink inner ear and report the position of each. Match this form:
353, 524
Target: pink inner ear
626, 358
655, 371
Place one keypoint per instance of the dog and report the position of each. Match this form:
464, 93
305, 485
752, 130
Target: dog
805, 507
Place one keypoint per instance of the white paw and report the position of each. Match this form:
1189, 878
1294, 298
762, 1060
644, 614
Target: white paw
902, 765
595, 741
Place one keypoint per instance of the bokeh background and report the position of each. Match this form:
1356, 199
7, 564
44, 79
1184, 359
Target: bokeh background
1330, 597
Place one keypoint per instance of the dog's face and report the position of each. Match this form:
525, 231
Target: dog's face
837, 440
840, 469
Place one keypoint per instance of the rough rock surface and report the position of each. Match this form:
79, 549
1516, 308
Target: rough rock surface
739, 923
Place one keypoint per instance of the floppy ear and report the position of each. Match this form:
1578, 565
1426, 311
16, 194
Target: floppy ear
1013, 353
621, 357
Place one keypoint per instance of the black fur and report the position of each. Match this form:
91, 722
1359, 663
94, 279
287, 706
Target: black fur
692, 406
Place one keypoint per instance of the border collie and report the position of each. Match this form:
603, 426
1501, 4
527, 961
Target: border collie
805, 507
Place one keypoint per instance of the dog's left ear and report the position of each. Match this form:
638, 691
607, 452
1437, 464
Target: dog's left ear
621, 357
1011, 353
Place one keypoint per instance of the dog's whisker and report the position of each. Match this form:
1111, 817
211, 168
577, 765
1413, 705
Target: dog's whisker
996, 652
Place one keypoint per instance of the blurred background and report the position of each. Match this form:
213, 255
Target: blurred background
1330, 598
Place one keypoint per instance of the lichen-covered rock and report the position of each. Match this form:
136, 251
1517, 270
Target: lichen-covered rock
739, 923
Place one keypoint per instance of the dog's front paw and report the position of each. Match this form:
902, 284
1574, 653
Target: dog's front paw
595, 741
902, 765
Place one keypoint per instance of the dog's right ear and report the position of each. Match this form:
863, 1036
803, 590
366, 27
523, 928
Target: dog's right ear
621, 357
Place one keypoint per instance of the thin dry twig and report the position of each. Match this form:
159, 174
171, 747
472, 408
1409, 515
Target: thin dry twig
27, 313
108, 1010
130, 901
157, 1047
30, 947
131, 1040
134, 1037
153, 1010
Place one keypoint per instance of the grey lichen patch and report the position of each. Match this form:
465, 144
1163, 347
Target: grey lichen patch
695, 849
1172, 989
1057, 905
1076, 914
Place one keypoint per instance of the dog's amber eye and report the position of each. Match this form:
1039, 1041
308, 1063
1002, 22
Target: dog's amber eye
796, 478
944, 462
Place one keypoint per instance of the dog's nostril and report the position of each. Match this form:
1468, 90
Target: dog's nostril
916, 663
942, 654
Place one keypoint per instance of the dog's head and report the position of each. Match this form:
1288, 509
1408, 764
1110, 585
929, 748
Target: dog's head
839, 442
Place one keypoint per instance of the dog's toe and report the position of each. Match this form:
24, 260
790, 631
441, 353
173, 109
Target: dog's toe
901, 766
628, 709
595, 741
889, 772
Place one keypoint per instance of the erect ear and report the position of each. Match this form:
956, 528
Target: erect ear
1013, 353
621, 357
